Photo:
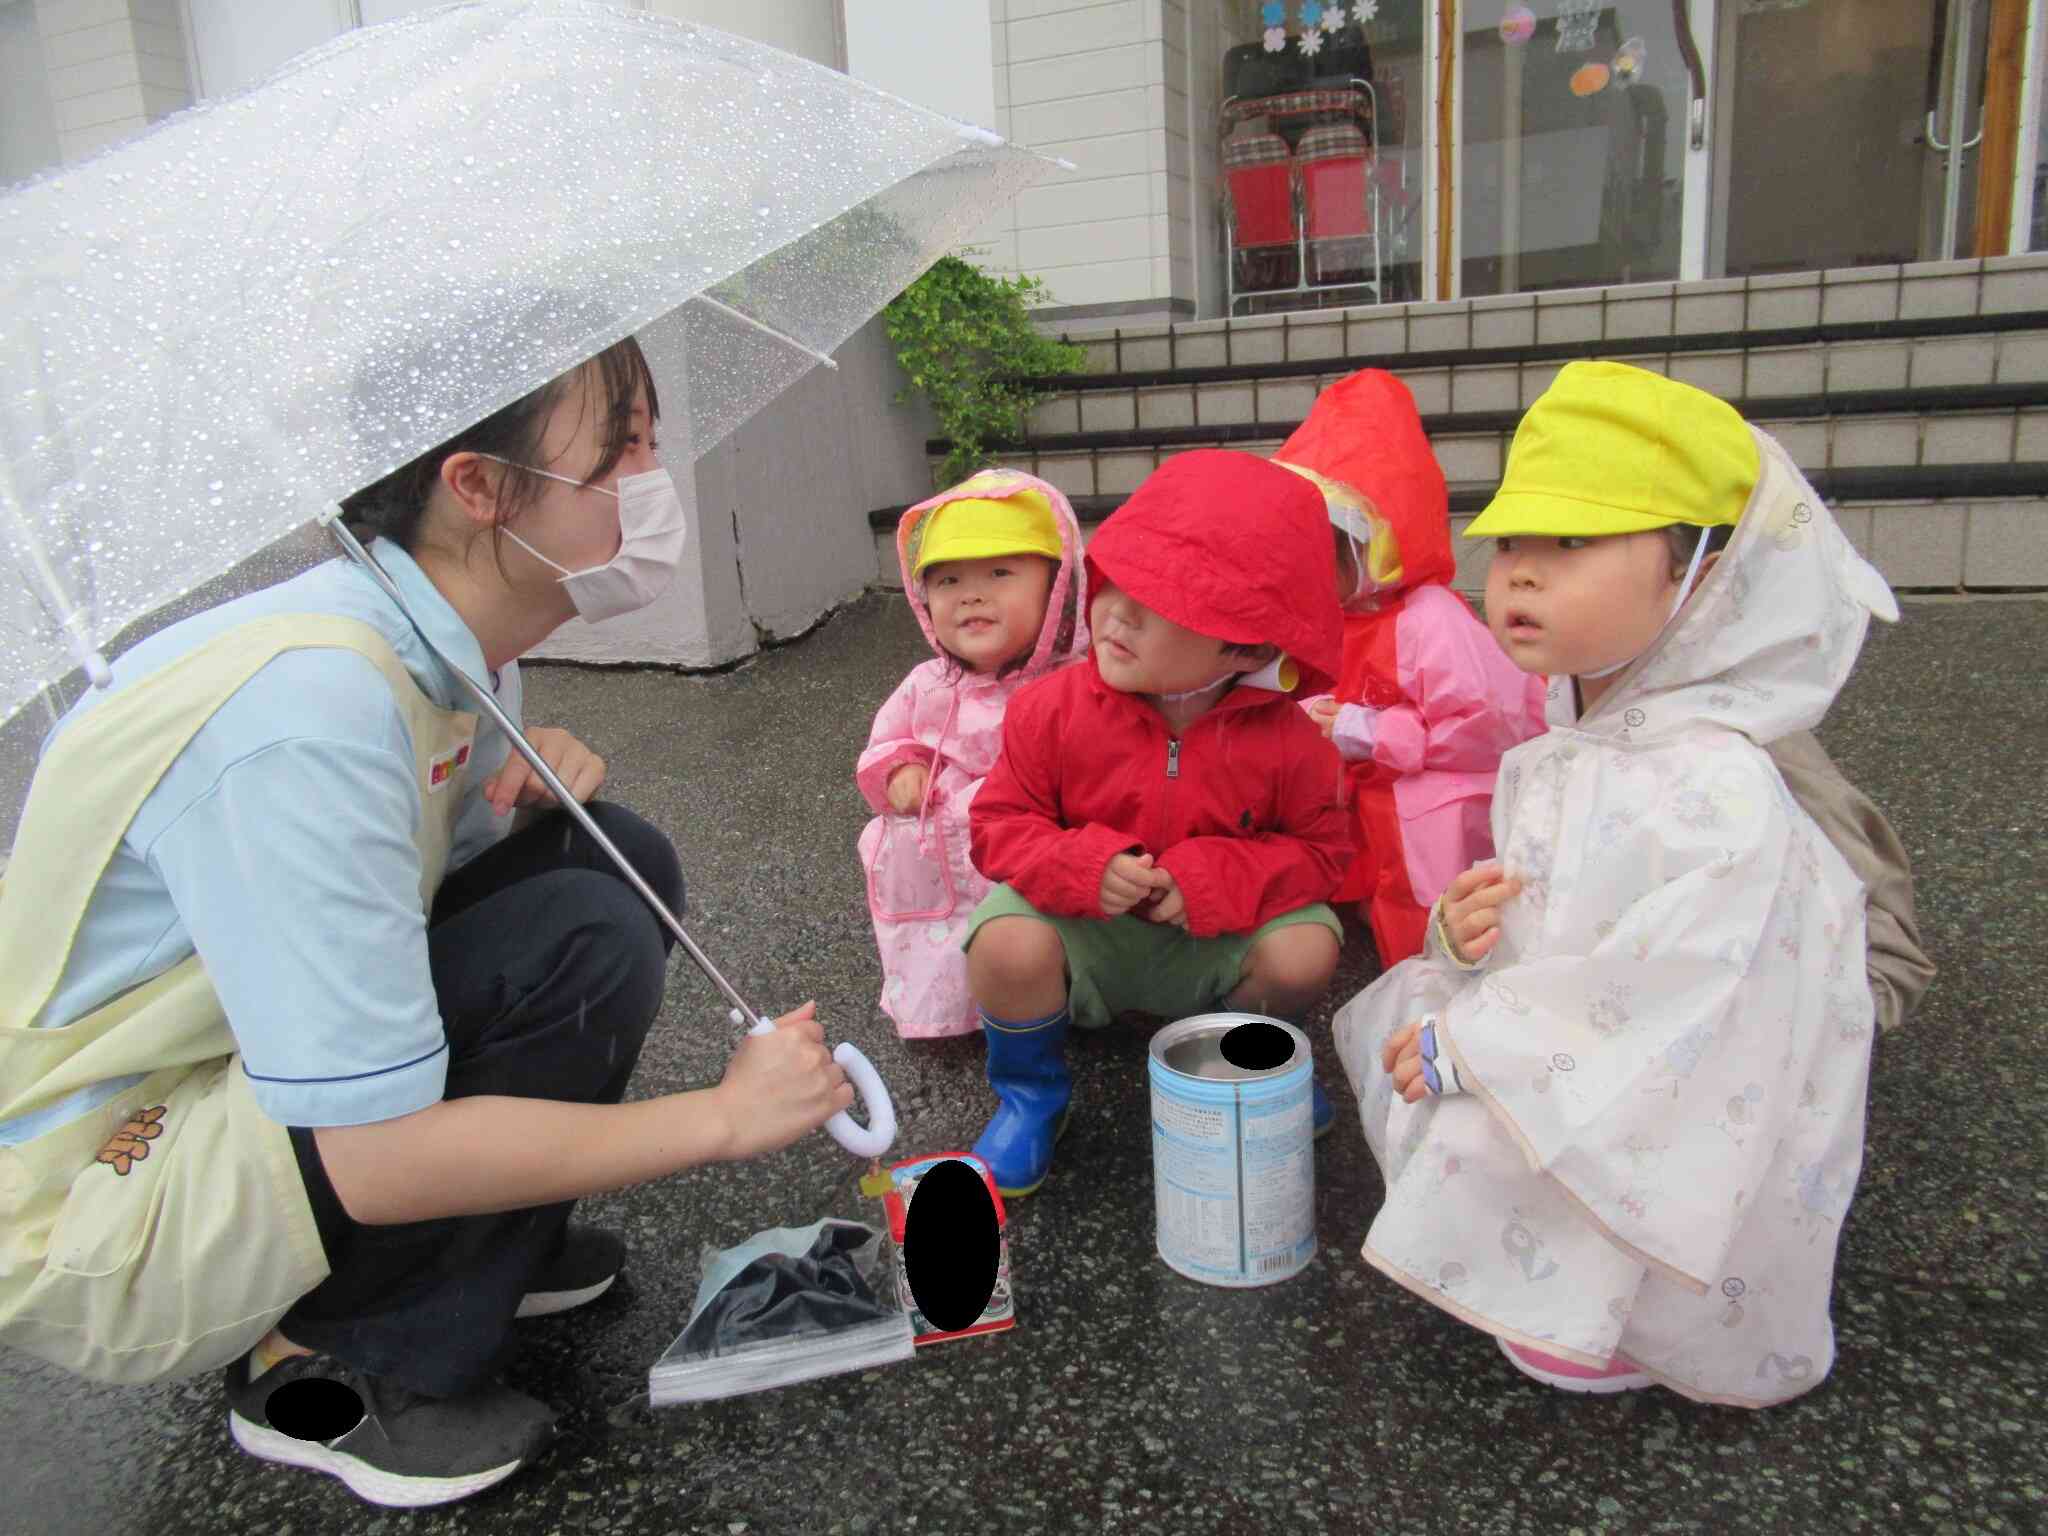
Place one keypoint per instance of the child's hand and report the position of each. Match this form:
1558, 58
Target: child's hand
1472, 906
1129, 879
1401, 1059
1168, 903
906, 787
1324, 712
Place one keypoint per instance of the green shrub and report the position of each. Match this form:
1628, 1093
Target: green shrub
966, 340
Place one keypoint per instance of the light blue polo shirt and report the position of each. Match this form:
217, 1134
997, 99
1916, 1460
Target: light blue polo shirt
280, 846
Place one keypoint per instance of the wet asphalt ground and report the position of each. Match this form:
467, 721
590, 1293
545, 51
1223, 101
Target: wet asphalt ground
1127, 1398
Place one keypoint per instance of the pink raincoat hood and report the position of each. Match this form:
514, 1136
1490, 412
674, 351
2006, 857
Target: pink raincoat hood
1058, 641
948, 721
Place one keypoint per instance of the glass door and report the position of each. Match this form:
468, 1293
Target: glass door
1575, 117
1852, 133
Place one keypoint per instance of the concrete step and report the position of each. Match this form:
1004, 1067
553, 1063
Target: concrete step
1944, 424
1797, 306
1978, 527
1915, 397
1742, 368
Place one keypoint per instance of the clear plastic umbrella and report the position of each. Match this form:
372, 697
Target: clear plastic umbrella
211, 334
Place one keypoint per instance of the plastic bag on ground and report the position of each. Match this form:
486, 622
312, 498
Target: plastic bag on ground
789, 1304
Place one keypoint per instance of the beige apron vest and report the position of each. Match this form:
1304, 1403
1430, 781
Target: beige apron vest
166, 1232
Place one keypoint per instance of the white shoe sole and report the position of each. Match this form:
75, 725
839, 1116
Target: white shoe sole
1593, 1386
365, 1481
546, 1303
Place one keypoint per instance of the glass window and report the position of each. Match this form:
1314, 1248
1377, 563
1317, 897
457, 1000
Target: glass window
1573, 126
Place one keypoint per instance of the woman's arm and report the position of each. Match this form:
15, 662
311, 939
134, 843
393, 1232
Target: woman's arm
472, 1156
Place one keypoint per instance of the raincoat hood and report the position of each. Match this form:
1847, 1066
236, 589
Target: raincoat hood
1059, 640
1229, 546
1769, 636
1364, 431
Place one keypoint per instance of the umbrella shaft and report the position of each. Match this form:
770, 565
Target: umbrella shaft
525, 749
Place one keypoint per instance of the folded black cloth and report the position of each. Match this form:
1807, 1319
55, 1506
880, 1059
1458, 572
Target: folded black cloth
779, 1295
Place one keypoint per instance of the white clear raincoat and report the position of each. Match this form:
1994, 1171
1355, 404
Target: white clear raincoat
1667, 1050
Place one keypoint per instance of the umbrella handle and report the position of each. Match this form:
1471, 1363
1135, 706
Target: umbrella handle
872, 1139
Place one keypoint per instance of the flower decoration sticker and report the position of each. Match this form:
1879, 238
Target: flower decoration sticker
1589, 79
1312, 42
1333, 18
1365, 11
1576, 20
130, 1144
1517, 25
1628, 62
1274, 15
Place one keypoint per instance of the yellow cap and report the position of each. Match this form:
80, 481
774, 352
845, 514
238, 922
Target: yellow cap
1612, 449
1353, 514
973, 528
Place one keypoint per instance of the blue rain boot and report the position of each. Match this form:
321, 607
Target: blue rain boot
1321, 1115
1027, 1068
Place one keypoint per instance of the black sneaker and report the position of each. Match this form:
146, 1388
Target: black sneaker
582, 1270
390, 1446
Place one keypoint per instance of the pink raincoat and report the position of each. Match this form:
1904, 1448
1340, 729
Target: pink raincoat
922, 885
1430, 702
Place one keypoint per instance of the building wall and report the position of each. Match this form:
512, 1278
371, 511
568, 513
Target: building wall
1100, 83
807, 28
110, 68
937, 53
28, 126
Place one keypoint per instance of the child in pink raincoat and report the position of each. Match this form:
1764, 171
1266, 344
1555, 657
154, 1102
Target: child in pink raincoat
993, 570
1426, 703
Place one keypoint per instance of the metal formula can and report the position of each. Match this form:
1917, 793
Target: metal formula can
1233, 1151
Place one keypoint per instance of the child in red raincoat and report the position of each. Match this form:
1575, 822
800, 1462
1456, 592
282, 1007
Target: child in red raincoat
1426, 702
1164, 820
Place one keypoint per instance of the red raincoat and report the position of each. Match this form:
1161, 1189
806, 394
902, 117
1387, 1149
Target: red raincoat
1445, 701
1242, 808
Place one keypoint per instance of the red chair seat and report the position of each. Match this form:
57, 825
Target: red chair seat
1334, 163
1259, 176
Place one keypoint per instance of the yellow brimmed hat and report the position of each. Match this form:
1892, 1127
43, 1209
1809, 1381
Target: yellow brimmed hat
1355, 516
976, 528
1612, 449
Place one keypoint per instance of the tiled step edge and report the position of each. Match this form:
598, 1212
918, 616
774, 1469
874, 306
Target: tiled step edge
1616, 312
1918, 482
1932, 400
1551, 351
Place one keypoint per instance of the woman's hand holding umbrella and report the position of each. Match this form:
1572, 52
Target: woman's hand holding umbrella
780, 1085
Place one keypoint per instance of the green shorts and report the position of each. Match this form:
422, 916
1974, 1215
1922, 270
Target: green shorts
1127, 965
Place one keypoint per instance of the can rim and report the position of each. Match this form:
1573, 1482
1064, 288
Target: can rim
1171, 1035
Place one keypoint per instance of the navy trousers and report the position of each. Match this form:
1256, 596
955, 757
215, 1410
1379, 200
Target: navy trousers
548, 970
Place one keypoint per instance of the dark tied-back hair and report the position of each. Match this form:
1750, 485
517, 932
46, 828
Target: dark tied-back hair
393, 507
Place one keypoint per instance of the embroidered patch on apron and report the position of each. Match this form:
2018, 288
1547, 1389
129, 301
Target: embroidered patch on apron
442, 768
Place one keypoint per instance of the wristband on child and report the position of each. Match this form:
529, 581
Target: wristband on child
1439, 921
1439, 1072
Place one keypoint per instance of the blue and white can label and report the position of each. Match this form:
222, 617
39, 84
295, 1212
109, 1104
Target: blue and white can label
1233, 1159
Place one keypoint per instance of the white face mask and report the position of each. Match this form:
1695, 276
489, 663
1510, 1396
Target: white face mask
652, 532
